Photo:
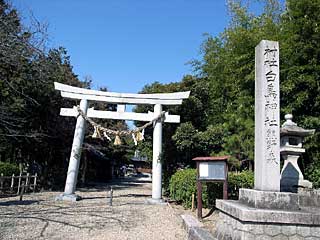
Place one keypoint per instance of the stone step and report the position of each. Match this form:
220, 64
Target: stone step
195, 229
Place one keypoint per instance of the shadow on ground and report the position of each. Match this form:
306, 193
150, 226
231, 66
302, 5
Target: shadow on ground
16, 202
45, 217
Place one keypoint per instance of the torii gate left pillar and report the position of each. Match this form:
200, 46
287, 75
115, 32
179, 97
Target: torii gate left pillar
75, 156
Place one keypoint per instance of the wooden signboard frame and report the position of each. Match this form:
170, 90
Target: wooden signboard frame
199, 160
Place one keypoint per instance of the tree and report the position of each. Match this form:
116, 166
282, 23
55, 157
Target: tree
300, 68
219, 115
30, 127
228, 64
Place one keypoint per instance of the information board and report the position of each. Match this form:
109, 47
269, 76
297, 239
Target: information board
212, 170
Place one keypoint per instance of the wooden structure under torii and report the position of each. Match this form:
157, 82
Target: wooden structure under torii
121, 99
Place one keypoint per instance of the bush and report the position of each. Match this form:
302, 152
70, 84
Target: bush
8, 168
183, 184
244, 179
313, 174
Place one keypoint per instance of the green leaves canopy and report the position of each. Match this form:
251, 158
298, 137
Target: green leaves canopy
218, 118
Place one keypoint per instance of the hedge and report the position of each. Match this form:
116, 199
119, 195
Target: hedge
183, 184
244, 179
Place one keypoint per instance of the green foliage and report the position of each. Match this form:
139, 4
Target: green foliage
236, 180
145, 148
300, 54
222, 93
185, 137
7, 169
218, 118
182, 185
313, 174
228, 63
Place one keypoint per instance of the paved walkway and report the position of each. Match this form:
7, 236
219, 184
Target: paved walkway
40, 217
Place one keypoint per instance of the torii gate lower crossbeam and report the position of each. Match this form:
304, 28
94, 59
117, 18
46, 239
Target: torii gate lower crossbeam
122, 98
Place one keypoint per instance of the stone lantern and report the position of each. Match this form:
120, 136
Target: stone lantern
291, 149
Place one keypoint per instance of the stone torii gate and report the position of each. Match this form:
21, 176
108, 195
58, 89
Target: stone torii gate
121, 99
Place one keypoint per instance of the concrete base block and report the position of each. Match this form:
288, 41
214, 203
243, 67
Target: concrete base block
232, 228
199, 234
269, 200
309, 198
240, 221
195, 229
190, 222
153, 201
68, 197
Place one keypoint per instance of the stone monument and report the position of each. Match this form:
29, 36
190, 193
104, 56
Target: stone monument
264, 212
267, 117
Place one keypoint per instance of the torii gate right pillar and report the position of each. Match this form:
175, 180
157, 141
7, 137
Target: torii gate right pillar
156, 161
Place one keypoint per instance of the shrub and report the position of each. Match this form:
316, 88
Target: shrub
8, 168
313, 174
183, 184
244, 179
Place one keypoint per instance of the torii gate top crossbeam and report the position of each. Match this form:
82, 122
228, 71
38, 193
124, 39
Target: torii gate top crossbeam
122, 98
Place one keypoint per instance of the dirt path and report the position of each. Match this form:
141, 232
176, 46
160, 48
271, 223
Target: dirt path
40, 217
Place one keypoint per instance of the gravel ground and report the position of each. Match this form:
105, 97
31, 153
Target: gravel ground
38, 216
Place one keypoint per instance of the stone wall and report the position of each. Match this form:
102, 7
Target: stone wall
232, 228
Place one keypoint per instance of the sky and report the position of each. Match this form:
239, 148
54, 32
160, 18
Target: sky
126, 44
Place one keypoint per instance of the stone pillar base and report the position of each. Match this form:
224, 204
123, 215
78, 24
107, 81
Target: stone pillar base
153, 201
269, 200
68, 197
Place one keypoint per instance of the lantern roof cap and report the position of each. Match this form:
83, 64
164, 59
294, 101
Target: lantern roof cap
291, 128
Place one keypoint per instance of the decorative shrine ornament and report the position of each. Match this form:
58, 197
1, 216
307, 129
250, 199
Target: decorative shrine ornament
136, 134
